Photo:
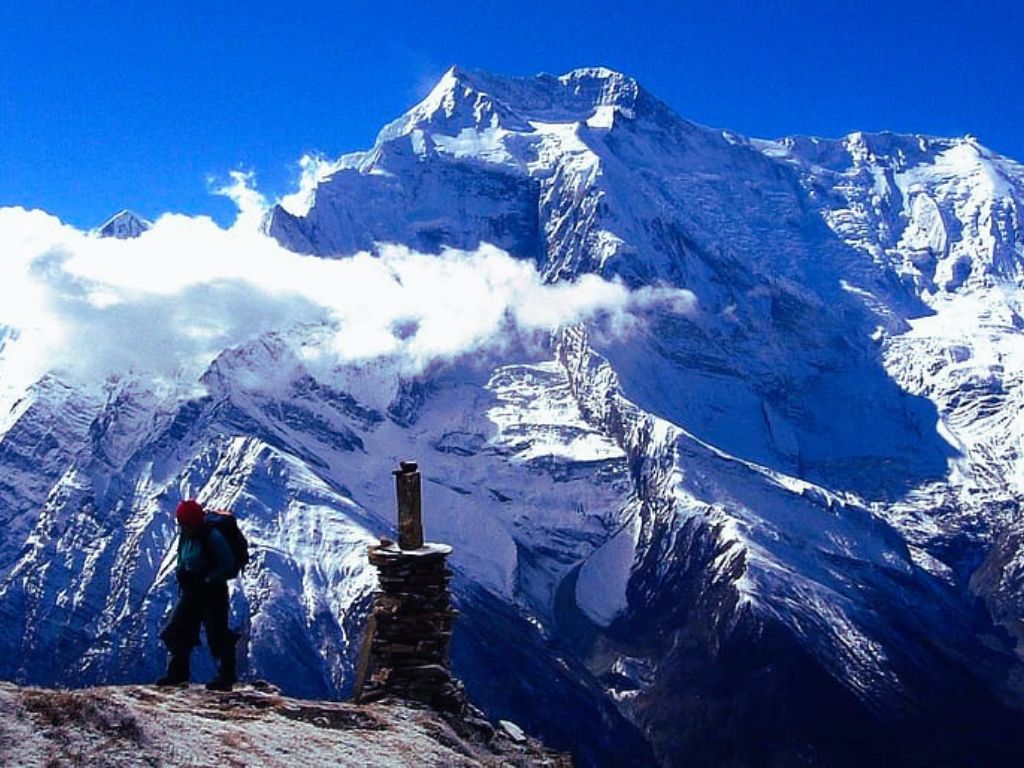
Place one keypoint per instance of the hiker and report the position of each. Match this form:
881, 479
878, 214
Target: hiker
205, 563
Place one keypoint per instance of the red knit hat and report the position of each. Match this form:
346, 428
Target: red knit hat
190, 512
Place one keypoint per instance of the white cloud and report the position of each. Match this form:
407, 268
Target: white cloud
312, 170
167, 303
243, 193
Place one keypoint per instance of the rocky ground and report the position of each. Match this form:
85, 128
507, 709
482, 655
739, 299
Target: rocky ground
144, 726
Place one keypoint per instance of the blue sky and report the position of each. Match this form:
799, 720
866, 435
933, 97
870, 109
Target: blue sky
105, 105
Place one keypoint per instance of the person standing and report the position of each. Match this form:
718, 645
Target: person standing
205, 563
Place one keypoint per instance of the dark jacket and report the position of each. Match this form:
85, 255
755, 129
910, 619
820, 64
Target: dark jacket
205, 558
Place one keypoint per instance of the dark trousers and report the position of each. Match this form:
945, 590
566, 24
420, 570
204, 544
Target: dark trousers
200, 604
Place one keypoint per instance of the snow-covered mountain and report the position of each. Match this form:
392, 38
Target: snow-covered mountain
124, 225
780, 523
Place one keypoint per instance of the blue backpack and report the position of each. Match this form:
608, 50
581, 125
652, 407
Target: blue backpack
227, 524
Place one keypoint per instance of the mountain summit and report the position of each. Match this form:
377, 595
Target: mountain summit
124, 225
464, 98
776, 523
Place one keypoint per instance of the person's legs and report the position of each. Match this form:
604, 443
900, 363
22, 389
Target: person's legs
180, 634
220, 637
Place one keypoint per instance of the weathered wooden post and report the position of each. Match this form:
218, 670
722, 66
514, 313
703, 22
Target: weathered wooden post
410, 513
405, 650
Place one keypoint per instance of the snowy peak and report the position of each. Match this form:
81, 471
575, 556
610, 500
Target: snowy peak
509, 161
457, 101
885, 149
602, 87
588, 172
463, 99
943, 214
124, 225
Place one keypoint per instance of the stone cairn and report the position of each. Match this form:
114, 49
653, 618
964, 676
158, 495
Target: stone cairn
405, 650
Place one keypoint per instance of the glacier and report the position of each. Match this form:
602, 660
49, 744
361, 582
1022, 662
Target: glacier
778, 523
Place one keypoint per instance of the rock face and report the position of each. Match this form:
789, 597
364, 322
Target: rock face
746, 534
133, 726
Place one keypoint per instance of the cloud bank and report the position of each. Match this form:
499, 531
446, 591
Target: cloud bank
167, 303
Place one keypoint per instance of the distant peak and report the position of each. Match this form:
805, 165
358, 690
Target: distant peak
458, 80
451, 76
124, 225
454, 72
487, 81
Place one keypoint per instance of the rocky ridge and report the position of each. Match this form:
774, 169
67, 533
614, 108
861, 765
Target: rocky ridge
132, 726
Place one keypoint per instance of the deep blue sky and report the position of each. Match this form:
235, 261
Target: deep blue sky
106, 105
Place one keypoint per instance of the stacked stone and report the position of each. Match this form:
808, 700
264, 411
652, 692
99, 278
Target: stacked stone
411, 626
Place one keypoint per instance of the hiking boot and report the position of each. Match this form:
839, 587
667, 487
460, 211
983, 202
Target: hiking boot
225, 679
177, 670
220, 683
